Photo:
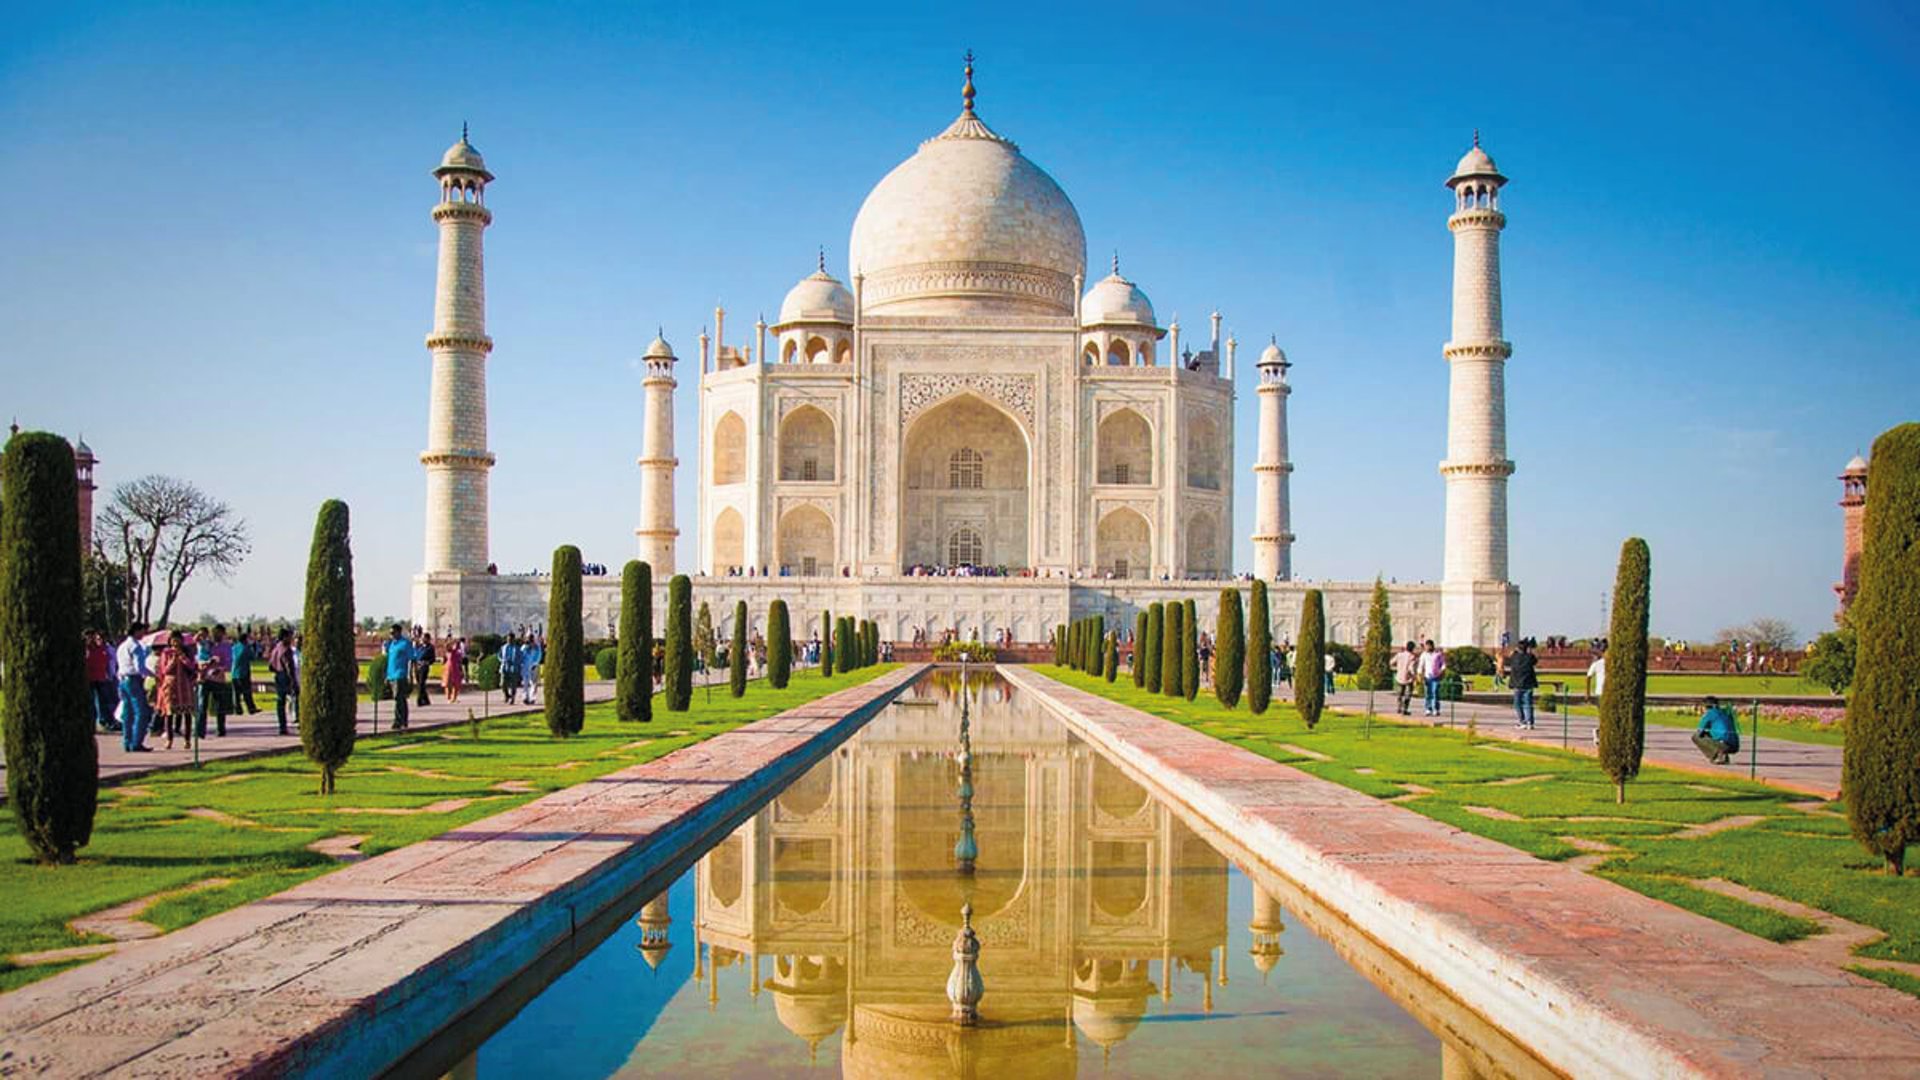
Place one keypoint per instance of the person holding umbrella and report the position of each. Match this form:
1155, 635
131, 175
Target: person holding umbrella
173, 698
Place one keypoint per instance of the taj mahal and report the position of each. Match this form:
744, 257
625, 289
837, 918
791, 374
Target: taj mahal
964, 436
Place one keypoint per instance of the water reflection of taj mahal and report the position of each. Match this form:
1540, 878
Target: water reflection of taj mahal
841, 899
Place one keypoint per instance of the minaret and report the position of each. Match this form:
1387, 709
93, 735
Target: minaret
656, 531
1476, 467
1853, 511
456, 457
1272, 509
83, 463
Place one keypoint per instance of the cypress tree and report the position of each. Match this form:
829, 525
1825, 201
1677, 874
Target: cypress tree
705, 644
1137, 662
1076, 658
1060, 644
1097, 644
1113, 656
1156, 632
1259, 651
1189, 651
737, 652
562, 671
678, 656
843, 643
1229, 650
1310, 674
1623, 705
779, 646
53, 764
329, 677
1377, 654
873, 642
633, 677
1880, 775
826, 641
1171, 668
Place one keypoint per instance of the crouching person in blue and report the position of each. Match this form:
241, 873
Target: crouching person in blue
1718, 736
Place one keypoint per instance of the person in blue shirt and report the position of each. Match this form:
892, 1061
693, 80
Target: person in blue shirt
510, 666
401, 654
1718, 736
531, 655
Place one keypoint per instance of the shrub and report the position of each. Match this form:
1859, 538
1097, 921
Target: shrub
678, 657
1060, 645
1879, 773
1136, 659
1189, 651
843, 643
1452, 686
1346, 658
779, 645
1259, 651
1229, 650
1623, 705
1170, 638
633, 692
378, 689
1830, 659
1375, 671
328, 674
827, 626
561, 671
974, 652
482, 645
606, 663
705, 645
1113, 657
486, 676
1309, 683
1473, 660
1152, 643
737, 652
52, 760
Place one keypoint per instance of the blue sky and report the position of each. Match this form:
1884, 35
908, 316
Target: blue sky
218, 261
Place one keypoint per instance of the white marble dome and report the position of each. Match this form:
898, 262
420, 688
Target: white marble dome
966, 225
1114, 299
463, 157
818, 297
1475, 163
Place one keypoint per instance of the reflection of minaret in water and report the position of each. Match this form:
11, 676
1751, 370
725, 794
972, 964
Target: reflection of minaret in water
653, 923
967, 848
1265, 928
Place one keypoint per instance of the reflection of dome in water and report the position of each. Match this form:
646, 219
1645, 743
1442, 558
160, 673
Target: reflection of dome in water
892, 1042
923, 844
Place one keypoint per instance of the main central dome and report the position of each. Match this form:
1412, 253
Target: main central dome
968, 226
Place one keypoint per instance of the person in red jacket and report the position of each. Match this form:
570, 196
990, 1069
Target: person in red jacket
100, 681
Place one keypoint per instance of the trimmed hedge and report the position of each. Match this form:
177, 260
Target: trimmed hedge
606, 663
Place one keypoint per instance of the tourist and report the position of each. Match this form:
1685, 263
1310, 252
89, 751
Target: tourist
130, 661
422, 664
1718, 735
244, 654
215, 660
175, 674
455, 675
101, 689
531, 655
1523, 677
1405, 664
1433, 665
1284, 657
510, 667
1597, 677
286, 682
401, 654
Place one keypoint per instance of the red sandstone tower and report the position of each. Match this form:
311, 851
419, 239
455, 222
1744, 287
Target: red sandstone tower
83, 463
1853, 509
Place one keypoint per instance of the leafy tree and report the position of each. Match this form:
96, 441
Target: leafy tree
826, 641
1375, 670
329, 677
563, 670
1623, 705
1881, 767
1309, 682
1775, 635
678, 657
1346, 658
53, 765
1229, 650
843, 644
106, 587
1171, 668
164, 531
1189, 652
1137, 659
633, 689
1153, 643
1113, 656
737, 652
1259, 651
705, 644
779, 645
1830, 659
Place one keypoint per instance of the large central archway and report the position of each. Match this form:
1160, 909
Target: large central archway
965, 493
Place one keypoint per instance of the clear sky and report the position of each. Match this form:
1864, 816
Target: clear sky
216, 259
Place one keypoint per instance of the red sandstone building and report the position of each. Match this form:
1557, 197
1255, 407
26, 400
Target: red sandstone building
1853, 510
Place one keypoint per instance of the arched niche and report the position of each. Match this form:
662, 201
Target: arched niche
729, 449
807, 450
965, 466
1125, 449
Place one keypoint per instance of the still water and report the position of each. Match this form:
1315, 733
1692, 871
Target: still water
820, 936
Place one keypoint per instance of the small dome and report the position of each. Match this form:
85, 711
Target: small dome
81, 449
659, 350
1114, 299
1107, 1021
1474, 164
462, 157
819, 297
1857, 465
1272, 354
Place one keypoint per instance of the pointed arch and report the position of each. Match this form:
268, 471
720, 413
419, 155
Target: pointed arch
1123, 544
1124, 453
1205, 450
805, 542
965, 438
807, 445
729, 541
1203, 545
729, 449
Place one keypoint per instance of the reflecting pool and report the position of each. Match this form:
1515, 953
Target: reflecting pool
825, 932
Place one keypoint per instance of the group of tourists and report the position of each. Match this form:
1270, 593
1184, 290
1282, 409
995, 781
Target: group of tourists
168, 684
1420, 666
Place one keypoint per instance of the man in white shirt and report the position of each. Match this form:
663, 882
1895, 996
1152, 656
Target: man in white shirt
1404, 666
130, 660
1597, 677
1433, 665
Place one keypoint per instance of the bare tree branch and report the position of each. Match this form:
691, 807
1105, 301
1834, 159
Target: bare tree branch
165, 531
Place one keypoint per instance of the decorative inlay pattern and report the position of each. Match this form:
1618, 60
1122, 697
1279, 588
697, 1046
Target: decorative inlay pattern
919, 392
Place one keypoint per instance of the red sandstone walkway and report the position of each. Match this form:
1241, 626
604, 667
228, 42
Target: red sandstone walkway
343, 975
1596, 979
1807, 768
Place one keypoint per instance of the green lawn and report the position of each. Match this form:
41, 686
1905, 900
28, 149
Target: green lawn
250, 821
1809, 857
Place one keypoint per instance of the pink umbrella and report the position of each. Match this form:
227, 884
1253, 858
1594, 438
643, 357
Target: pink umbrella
159, 637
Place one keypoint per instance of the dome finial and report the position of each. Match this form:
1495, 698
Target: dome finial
821, 263
1116, 262
1476, 136
966, 90
463, 131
